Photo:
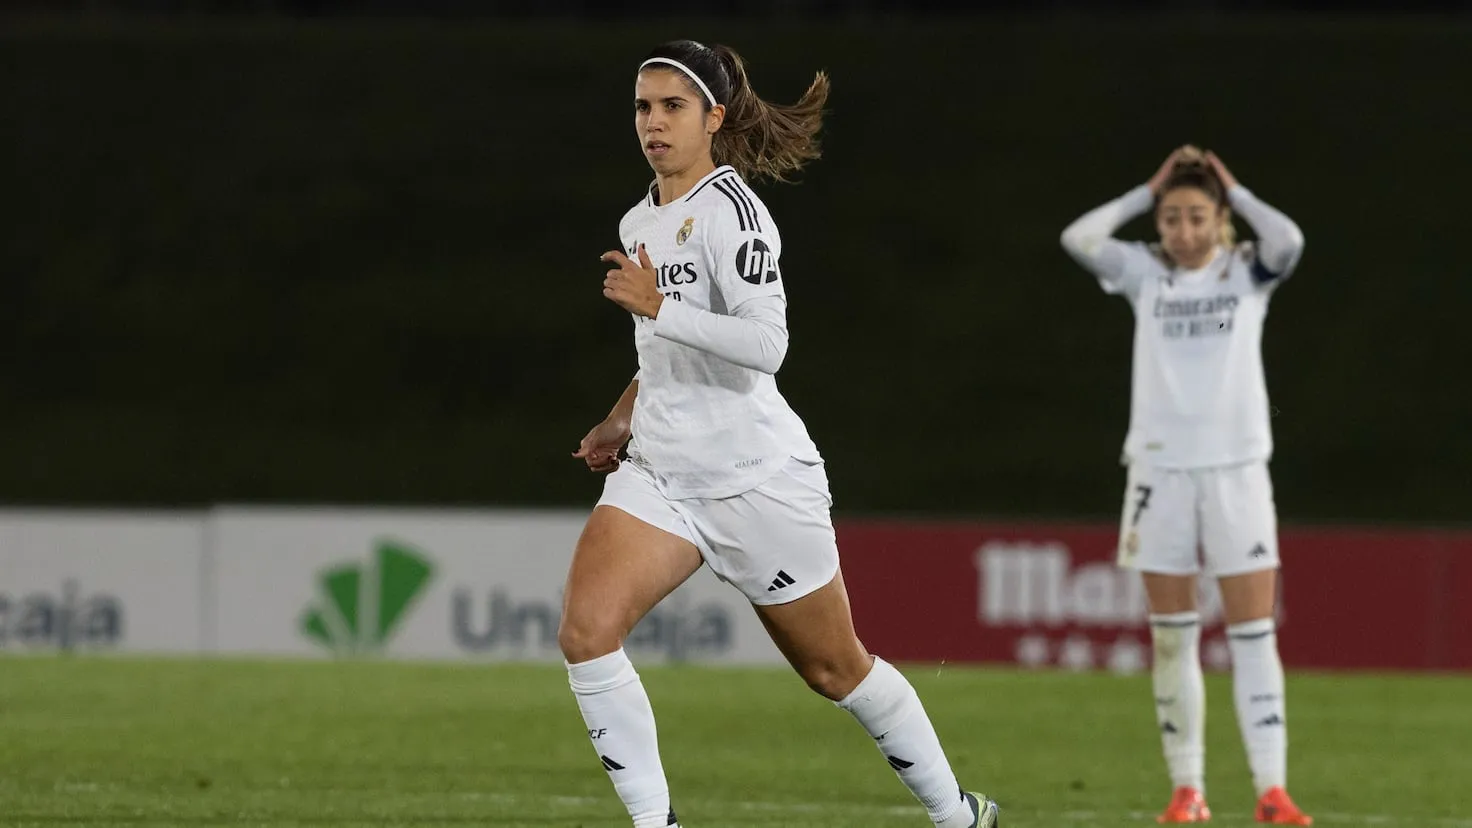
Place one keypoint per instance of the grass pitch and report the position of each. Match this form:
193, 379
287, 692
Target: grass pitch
128, 742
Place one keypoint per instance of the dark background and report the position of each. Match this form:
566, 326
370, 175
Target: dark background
346, 252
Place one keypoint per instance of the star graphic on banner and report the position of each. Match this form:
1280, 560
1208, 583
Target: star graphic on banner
1032, 650
1076, 653
1127, 656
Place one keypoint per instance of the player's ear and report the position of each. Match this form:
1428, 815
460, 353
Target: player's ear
714, 118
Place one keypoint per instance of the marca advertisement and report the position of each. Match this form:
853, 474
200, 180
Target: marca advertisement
486, 585
100, 581
444, 585
1050, 596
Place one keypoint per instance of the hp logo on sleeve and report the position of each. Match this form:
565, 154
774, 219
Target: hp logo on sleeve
755, 263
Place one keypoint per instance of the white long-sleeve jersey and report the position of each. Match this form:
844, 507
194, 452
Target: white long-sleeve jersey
708, 419
1198, 395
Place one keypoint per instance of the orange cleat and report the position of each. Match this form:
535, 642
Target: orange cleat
1275, 808
1186, 805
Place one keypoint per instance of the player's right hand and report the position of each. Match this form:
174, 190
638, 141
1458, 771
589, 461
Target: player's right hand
601, 447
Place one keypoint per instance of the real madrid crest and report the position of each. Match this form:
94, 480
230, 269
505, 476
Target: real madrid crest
685, 230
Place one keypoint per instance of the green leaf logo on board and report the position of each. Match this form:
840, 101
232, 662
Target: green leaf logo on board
359, 605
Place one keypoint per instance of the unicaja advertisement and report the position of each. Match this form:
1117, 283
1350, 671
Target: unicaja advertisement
438, 585
100, 582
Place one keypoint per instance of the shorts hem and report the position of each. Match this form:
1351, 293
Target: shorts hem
1247, 570
645, 519
785, 597
1157, 569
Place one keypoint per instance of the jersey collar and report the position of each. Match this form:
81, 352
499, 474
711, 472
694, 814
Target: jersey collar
653, 192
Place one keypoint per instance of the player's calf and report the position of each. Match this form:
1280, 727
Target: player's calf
890, 711
621, 727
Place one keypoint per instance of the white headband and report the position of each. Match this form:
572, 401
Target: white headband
686, 69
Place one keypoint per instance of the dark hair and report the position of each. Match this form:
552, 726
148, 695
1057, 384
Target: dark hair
759, 139
1193, 172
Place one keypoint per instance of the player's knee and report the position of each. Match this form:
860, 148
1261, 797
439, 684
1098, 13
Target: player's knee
834, 678
1174, 635
584, 639
824, 678
1167, 644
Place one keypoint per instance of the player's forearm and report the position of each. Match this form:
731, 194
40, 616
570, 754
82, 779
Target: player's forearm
755, 338
1085, 237
1279, 241
623, 410
1090, 239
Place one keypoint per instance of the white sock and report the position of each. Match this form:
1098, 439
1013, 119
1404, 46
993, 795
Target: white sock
889, 709
1180, 696
1257, 684
621, 726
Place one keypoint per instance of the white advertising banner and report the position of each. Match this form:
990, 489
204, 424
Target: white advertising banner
483, 585
124, 581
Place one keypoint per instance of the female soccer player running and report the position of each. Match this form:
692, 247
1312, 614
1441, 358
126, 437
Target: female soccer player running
1197, 450
719, 470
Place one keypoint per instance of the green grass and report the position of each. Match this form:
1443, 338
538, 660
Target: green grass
123, 742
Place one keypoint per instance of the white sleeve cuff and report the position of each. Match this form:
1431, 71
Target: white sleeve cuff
675, 317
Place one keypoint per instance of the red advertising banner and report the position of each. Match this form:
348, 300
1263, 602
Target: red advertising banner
1050, 595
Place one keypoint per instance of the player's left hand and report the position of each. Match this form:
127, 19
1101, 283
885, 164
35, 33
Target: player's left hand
1221, 170
634, 287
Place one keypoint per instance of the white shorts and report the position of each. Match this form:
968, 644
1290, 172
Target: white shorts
775, 543
1227, 512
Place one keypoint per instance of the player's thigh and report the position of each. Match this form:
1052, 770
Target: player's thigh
777, 545
815, 633
1158, 530
632, 553
1167, 594
1249, 596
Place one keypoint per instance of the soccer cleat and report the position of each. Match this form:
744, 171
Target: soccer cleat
987, 812
1275, 808
1186, 805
